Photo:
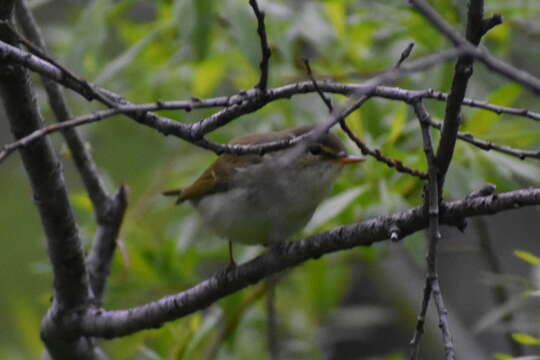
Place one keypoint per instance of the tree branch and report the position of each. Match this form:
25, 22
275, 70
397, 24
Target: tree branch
265, 49
100, 257
462, 72
519, 76
109, 211
396, 164
287, 91
71, 286
431, 205
109, 324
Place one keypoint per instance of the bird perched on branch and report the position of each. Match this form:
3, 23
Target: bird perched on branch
263, 199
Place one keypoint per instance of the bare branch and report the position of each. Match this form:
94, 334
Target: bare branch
99, 259
82, 157
488, 145
323, 97
395, 164
522, 77
462, 72
431, 205
283, 92
108, 210
101, 323
405, 54
398, 165
71, 286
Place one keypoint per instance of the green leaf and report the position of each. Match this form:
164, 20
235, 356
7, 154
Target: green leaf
398, 123
525, 339
332, 207
528, 257
81, 201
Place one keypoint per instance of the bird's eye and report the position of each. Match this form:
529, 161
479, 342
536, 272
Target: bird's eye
315, 149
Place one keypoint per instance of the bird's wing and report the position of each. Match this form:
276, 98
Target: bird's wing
217, 177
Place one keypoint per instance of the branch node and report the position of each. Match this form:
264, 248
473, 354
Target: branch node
485, 190
395, 233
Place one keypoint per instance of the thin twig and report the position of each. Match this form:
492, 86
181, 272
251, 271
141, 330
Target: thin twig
88, 90
323, 97
265, 49
287, 91
404, 55
396, 164
392, 163
431, 204
519, 76
488, 145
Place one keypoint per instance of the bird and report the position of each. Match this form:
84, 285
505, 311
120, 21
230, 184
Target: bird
263, 199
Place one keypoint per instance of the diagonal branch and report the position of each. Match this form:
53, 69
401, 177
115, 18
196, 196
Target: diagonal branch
109, 211
462, 72
398, 165
519, 76
100, 257
82, 157
109, 324
44, 170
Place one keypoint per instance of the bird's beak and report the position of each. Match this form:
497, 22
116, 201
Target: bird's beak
350, 159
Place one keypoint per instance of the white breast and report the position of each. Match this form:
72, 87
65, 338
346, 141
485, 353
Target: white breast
268, 204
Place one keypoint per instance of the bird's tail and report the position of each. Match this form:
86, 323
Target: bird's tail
175, 192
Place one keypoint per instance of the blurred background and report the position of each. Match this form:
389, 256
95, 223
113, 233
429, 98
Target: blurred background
359, 304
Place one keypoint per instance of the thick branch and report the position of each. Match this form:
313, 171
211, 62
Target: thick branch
81, 156
116, 323
71, 290
109, 211
462, 72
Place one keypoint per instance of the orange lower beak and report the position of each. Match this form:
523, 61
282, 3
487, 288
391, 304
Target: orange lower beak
350, 159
